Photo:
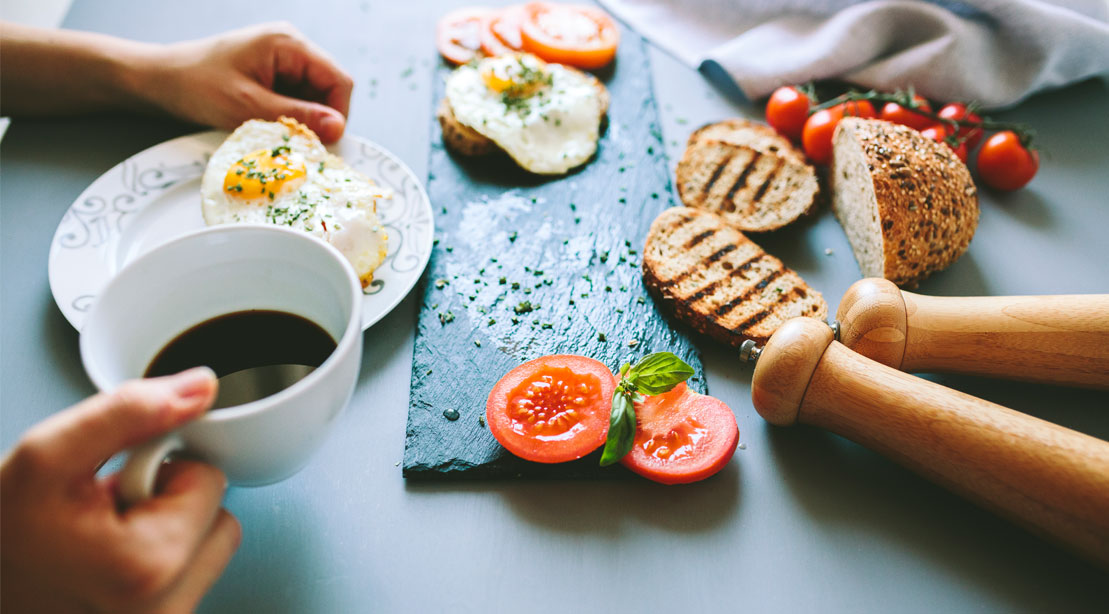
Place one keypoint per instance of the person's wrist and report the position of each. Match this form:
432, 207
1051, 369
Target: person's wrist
142, 75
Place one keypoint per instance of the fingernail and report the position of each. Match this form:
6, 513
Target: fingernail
193, 383
331, 127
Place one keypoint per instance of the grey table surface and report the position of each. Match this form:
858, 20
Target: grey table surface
800, 520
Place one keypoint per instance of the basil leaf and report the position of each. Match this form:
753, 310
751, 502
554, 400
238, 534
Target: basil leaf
621, 430
659, 373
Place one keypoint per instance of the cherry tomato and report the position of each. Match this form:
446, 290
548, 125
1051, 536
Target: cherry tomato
857, 108
682, 437
552, 409
500, 31
580, 36
787, 110
938, 133
893, 112
957, 110
458, 34
1004, 163
816, 137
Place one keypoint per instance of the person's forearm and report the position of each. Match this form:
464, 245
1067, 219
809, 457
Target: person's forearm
44, 72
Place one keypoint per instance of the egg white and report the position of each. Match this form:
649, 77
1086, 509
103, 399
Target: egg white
333, 201
549, 132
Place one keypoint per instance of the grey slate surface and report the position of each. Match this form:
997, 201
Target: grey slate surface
572, 244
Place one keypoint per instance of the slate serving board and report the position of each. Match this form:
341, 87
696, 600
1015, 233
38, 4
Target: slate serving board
569, 246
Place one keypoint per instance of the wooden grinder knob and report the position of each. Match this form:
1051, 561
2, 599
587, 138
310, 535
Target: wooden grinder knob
1050, 479
1061, 339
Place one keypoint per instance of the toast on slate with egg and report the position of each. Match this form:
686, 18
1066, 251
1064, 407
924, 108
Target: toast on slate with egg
748, 174
907, 203
512, 102
719, 282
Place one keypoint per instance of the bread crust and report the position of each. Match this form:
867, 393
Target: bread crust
466, 141
738, 131
720, 283
927, 202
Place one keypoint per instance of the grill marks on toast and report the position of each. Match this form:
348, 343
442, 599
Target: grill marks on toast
747, 173
725, 285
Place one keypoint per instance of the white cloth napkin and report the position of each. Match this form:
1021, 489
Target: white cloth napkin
996, 52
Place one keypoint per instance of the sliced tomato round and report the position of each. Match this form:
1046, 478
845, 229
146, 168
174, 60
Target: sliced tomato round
552, 409
571, 34
458, 34
682, 437
500, 32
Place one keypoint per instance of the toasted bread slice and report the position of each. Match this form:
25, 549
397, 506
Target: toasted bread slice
719, 282
465, 140
907, 203
760, 137
753, 190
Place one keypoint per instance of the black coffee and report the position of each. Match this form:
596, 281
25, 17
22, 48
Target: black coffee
255, 353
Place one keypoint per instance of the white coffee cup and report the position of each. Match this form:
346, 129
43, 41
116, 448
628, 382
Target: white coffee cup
209, 273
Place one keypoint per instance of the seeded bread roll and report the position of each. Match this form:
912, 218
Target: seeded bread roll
754, 190
719, 282
907, 203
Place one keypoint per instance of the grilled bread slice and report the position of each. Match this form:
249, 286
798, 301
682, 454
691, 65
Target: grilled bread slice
760, 137
907, 203
754, 190
469, 142
719, 282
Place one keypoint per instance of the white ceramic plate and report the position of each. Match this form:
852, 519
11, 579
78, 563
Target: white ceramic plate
154, 196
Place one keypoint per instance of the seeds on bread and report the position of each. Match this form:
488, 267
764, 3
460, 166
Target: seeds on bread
718, 281
907, 203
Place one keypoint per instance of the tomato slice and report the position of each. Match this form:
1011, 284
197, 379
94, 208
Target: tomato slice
572, 34
682, 437
500, 32
552, 409
458, 34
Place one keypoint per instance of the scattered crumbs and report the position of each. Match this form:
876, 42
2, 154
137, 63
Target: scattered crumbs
828, 251
601, 337
742, 446
481, 419
477, 342
451, 414
439, 283
640, 300
633, 342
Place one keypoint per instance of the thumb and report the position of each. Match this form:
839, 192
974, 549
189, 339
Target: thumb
325, 121
77, 440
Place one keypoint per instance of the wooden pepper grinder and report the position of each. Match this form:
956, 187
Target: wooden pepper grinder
1053, 480
1051, 339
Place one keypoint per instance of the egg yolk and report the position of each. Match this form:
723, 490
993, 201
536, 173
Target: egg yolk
513, 76
263, 173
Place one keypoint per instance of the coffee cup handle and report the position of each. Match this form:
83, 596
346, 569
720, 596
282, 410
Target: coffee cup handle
136, 480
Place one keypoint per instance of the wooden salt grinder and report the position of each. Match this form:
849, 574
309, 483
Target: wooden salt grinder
1060, 339
1050, 479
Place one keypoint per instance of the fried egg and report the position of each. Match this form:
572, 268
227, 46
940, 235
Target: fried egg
547, 117
280, 173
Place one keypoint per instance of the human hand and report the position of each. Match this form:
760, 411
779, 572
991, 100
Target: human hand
67, 547
263, 71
